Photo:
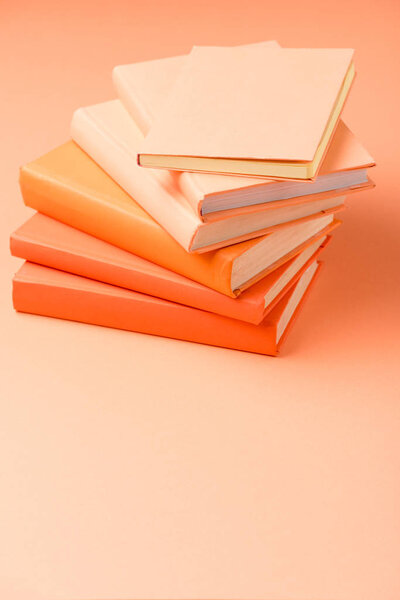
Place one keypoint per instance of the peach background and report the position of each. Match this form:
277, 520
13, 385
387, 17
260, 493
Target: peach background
137, 467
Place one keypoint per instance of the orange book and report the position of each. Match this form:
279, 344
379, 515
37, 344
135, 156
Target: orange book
43, 291
67, 185
50, 243
143, 87
251, 110
108, 134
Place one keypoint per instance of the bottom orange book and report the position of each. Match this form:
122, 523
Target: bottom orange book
49, 292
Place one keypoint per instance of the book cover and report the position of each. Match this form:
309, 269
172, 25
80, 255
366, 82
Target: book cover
143, 86
231, 130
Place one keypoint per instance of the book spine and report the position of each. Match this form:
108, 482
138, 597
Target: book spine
120, 163
191, 191
132, 103
142, 237
137, 312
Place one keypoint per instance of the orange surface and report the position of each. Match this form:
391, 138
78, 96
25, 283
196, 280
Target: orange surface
138, 467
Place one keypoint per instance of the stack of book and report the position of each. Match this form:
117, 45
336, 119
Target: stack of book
196, 205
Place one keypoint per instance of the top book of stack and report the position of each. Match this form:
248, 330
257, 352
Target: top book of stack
257, 111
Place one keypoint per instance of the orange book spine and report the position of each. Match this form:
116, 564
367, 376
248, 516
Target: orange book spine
43, 291
121, 275
137, 234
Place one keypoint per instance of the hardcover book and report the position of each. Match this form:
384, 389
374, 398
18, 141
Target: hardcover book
143, 87
53, 244
251, 110
43, 291
107, 133
67, 185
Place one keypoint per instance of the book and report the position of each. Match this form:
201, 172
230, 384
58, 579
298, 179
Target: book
251, 110
142, 87
67, 185
49, 292
53, 244
107, 133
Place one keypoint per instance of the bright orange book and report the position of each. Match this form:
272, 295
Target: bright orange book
251, 110
53, 244
67, 185
43, 291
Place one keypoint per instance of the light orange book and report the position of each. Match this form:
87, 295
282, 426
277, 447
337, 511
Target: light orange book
252, 110
67, 185
107, 133
53, 244
143, 87
43, 291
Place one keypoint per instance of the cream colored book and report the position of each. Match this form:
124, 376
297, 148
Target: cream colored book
253, 110
142, 88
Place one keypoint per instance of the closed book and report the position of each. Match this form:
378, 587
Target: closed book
251, 110
49, 292
143, 87
53, 244
67, 185
107, 133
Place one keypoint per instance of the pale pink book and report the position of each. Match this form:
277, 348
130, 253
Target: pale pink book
252, 110
142, 88
110, 137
